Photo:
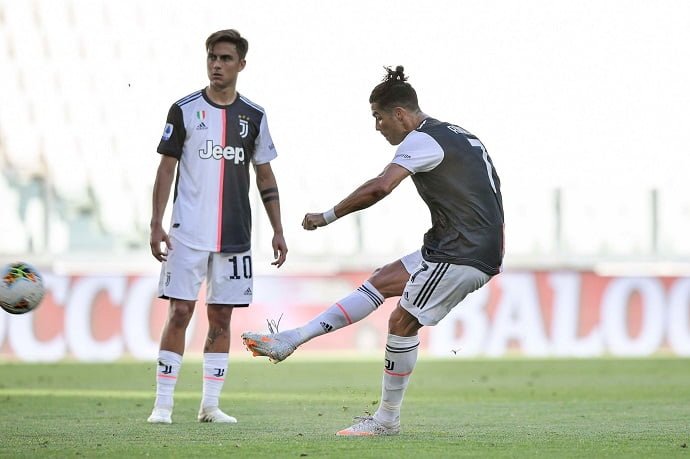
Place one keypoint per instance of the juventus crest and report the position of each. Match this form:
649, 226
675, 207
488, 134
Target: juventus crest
244, 128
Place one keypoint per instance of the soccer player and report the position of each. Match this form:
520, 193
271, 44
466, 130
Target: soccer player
210, 137
463, 249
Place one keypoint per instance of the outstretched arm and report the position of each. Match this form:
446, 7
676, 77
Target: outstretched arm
268, 188
367, 194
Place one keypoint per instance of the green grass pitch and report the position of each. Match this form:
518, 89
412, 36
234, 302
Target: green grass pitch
453, 408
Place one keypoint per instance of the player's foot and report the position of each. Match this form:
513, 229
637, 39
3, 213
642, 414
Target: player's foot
369, 427
215, 415
160, 416
272, 346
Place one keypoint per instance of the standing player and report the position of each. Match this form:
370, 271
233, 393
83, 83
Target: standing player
210, 137
462, 251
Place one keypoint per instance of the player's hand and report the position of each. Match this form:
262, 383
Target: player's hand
313, 221
159, 236
279, 250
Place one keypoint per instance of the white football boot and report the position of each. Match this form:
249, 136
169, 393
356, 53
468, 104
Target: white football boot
215, 415
368, 427
160, 416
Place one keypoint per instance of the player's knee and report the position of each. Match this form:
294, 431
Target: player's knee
402, 323
389, 280
377, 280
181, 313
219, 316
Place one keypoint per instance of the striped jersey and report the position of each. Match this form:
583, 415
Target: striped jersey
214, 145
456, 178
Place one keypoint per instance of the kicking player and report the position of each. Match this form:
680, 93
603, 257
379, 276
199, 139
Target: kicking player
463, 249
210, 138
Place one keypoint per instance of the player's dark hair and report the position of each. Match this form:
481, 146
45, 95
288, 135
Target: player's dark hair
230, 36
394, 91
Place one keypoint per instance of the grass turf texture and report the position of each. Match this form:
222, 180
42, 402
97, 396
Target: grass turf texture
453, 408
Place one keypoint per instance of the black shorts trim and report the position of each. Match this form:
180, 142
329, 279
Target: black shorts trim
165, 297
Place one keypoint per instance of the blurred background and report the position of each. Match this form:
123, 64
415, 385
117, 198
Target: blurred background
583, 106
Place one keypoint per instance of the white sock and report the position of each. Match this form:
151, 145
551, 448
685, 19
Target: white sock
353, 308
168, 368
401, 357
215, 367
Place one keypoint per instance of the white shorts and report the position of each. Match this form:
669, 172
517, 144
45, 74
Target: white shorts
228, 275
435, 288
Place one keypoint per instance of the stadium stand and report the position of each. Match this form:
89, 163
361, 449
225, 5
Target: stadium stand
77, 168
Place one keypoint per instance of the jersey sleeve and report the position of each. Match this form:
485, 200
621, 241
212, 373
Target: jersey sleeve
265, 151
418, 152
174, 133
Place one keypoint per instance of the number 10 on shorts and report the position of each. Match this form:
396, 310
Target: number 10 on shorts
244, 266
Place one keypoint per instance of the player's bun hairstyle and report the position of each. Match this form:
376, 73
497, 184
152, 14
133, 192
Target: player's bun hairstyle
394, 91
230, 36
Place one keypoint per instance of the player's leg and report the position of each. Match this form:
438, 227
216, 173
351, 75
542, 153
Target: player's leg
385, 282
175, 329
402, 346
215, 364
432, 291
180, 279
229, 286
170, 358
218, 336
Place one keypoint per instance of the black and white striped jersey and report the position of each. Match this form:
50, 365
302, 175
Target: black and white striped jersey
214, 145
457, 180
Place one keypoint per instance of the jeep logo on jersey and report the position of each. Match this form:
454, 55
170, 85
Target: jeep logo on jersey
235, 154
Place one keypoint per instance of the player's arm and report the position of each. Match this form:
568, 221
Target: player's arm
268, 188
161, 192
367, 194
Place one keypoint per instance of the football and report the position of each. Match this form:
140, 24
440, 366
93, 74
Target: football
21, 288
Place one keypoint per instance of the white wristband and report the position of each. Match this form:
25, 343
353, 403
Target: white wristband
329, 216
